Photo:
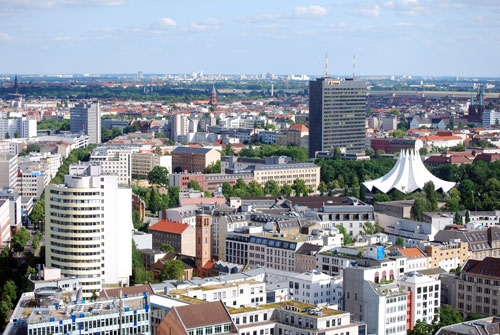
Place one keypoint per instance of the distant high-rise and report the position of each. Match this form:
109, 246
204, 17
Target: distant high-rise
337, 113
86, 118
213, 97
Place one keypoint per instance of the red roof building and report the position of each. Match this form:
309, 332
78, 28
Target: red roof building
179, 235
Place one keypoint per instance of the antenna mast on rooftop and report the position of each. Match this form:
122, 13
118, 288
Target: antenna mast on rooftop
326, 66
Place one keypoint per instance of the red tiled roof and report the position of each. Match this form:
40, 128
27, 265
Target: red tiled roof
442, 138
489, 267
300, 127
412, 253
168, 226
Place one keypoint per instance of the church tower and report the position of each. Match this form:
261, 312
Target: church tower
203, 235
213, 97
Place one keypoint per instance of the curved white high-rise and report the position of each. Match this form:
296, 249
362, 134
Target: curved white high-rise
88, 228
409, 174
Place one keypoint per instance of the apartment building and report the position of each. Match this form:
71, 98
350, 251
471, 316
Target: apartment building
305, 257
142, 163
482, 243
88, 221
193, 159
296, 135
416, 260
236, 294
448, 255
47, 160
15, 207
179, 235
5, 231
316, 288
478, 289
21, 126
291, 318
9, 165
424, 297
381, 305
116, 161
211, 182
33, 181
277, 252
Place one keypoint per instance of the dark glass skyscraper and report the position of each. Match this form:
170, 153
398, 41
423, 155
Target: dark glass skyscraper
337, 114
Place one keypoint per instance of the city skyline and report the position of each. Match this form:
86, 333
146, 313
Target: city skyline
400, 37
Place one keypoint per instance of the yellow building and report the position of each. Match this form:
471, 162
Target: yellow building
287, 173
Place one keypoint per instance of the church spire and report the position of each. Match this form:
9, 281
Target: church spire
213, 97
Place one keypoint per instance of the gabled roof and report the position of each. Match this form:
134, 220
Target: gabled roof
489, 267
412, 253
203, 314
191, 150
300, 127
168, 226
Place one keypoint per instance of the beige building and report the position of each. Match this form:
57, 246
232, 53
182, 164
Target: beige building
287, 173
305, 257
193, 159
116, 161
482, 243
448, 255
8, 170
180, 236
478, 288
142, 163
297, 135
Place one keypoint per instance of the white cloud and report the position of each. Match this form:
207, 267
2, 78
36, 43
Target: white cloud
310, 11
5, 37
368, 9
59, 3
165, 22
206, 24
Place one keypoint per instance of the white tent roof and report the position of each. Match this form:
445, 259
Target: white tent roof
409, 174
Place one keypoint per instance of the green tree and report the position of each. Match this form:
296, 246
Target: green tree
154, 200
400, 241
431, 203
458, 219
167, 248
16, 134
337, 154
448, 316
451, 124
322, 188
158, 175
173, 195
255, 189
421, 328
4, 311
139, 274
272, 188
136, 220
160, 135
20, 239
370, 229
195, 185
226, 189
286, 190
362, 193
7, 135
214, 167
228, 150
38, 212
423, 151
370, 152
106, 134
418, 209
172, 270
467, 217
36, 240
343, 231
116, 131
381, 197
94, 296
300, 188
131, 129
9, 290
398, 133
474, 316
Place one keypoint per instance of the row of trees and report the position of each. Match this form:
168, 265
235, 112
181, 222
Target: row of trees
298, 154
271, 187
156, 201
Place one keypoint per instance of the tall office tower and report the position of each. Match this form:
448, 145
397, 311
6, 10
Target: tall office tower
88, 222
86, 118
337, 113
9, 165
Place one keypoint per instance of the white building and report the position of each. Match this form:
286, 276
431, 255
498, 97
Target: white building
185, 214
179, 126
21, 125
316, 288
116, 161
15, 211
491, 118
33, 181
89, 227
5, 231
424, 298
50, 161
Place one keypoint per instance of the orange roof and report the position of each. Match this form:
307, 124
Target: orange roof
412, 253
300, 127
168, 226
419, 130
442, 138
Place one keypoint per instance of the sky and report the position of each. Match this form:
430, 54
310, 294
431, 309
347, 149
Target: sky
388, 37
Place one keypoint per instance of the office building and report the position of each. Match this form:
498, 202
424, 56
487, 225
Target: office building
478, 289
9, 165
491, 118
32, 182
193, 159
337, 112
15, 211
88, 221
21, 126
85, 118
116, 161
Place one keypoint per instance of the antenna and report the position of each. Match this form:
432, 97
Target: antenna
326, 66
353, 66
